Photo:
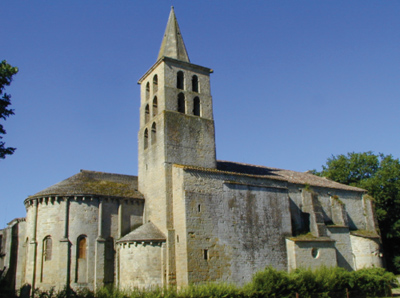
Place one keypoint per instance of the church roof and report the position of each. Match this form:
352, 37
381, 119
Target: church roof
278, 174
172, 44
146, 232
94, 183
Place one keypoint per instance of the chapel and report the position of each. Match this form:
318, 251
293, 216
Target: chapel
187, 217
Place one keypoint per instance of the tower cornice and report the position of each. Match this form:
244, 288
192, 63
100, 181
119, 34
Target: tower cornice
180, 63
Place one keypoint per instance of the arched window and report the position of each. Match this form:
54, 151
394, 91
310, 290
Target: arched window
155, 106
147, 90
82, 247
81, 260
155, 83
146, 114
180, 80
181, 103
153, 133
195, 84
109, 266
196, 106
146, 138
47, 248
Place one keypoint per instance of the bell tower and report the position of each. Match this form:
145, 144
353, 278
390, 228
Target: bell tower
176, 123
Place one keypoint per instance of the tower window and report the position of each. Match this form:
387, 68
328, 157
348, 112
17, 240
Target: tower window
181, 103
195, 84
155, 83
47, 248
147, 90
180, 80
155, 106
146, 114
153, 133
82, 247
196, 106
146, 138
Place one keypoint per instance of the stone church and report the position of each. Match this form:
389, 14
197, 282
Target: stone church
187, 217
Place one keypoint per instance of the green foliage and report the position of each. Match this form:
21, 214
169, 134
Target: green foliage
372, 282
210, 290
64, 293
379, 174
396, 263
350, 169
322, 283
6, 73
269, 283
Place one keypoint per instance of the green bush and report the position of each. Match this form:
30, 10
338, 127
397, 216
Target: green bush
322, 283
269, 283
372, 281
210, 290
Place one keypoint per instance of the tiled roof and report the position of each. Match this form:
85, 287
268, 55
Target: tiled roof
94, 183
290, 176
146, 232
278, 174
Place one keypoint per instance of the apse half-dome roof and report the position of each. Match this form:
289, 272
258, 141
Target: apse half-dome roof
94, 183
146, 232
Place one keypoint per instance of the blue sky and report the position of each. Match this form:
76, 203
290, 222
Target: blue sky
294, 82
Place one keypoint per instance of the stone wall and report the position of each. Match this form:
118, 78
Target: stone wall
54, 252
234, 225
367, 252
344, 252
141, 265
311, 253
356, 215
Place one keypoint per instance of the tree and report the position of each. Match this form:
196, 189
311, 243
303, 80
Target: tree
379, 174
6, 73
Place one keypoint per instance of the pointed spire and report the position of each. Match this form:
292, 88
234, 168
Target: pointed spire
172, 45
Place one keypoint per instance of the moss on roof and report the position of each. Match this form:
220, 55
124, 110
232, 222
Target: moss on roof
94, 183
365, 233
146, 232
274, 173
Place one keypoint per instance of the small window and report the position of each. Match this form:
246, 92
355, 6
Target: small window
155, 84
153, 133
205, 254
315, 252
181, 103
180, 80
177, 238
82, 247
196, 106
195, 84
147, 90
155, 106
47, 248
146, 114
199, 208
146, 138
